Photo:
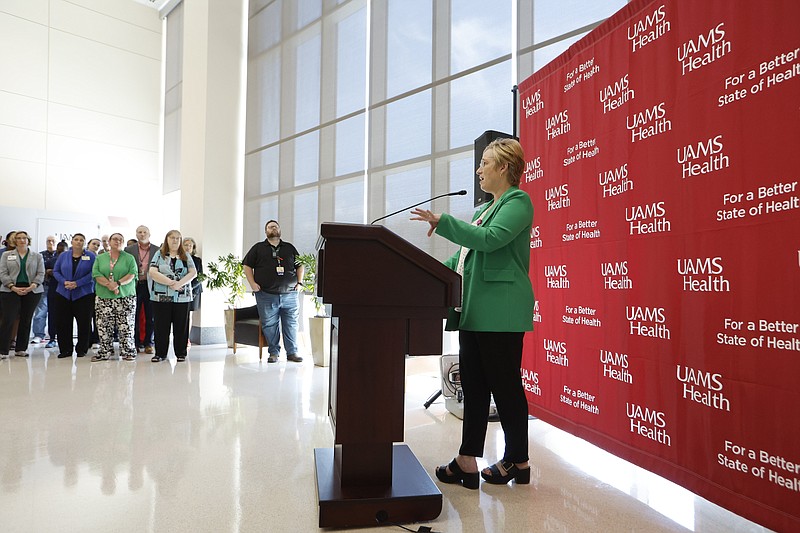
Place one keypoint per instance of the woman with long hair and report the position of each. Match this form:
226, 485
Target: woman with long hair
170, 277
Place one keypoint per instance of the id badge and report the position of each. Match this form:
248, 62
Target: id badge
279, 270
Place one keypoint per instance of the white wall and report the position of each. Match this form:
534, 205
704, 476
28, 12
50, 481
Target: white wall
80, 110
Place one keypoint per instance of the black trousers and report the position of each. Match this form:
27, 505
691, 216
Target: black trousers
143, 305
80, 311
489, 363
171, 315
15, 306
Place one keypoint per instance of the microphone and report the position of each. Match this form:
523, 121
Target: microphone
462, 192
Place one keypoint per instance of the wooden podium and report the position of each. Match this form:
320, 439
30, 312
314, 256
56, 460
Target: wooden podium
388, 299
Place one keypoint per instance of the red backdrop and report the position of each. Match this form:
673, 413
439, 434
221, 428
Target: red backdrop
662, 161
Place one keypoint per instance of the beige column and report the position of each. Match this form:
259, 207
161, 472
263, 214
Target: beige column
212, 142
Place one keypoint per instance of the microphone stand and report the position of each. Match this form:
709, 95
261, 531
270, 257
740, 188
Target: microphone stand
462, 192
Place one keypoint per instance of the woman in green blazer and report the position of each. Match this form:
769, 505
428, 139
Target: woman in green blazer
496, 309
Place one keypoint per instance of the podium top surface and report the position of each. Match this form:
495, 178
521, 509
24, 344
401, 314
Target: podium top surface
362, 263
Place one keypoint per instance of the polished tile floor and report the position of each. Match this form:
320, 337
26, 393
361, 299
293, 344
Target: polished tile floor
223, 443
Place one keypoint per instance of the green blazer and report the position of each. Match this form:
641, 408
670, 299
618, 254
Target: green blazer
497, 290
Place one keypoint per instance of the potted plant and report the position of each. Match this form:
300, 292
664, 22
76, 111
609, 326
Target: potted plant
319, 326
227, 274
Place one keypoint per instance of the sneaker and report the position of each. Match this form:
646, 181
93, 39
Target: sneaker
294, 357
130, 358
95, 346
51, 344
3, 356
36, 340
98, 358
140, 349
272, 359
149, 349
21, 354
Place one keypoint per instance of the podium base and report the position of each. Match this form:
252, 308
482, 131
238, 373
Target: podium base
413, 496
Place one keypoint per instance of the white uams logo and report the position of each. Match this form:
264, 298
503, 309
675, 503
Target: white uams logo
556, 276
533, 103
648, 218
703, 387
648, 423
702, 157
615, 366
615, 276
647, 322
703, 274
556, 352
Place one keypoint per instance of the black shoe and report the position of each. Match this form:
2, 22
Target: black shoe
81, 355
469, 480
63, 355
521, 476
294, 357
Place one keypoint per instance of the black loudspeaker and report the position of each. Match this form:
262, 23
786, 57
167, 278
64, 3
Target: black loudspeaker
481, 143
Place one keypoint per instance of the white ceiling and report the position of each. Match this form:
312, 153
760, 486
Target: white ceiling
155, 4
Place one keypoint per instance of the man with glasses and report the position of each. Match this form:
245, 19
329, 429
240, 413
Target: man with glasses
275, 276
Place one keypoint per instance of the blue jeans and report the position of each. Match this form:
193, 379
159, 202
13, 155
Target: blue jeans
40, 317
274, 309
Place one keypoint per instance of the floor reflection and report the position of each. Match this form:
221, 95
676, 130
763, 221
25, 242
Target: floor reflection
225, 442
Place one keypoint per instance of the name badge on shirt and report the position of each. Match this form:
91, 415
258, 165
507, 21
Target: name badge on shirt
85, 258
279, 270
12, 257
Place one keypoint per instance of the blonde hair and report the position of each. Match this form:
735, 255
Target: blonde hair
509, 151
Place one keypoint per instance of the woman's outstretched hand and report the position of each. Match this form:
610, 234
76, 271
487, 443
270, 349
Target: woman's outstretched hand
426, 216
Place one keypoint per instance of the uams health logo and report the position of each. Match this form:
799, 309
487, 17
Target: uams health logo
555, 352
557, 125
703, 157
646, 30
615, 366
533, 103
648, 423
533, 170
648, 123
615, 95
557, 197
703, 274
703, 50
647, 321
703, 387
556, 276
648, 218
530, 382
615, 181
615, 276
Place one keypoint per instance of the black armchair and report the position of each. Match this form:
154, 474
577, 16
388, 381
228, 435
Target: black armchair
247, 329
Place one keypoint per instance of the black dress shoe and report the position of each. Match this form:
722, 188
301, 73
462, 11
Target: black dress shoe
81, 355
63, 355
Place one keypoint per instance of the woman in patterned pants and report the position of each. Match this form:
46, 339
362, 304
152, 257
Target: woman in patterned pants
115, 275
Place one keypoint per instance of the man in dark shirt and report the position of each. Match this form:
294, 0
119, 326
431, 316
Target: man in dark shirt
275, 276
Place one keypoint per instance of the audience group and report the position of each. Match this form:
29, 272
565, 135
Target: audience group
134, 294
